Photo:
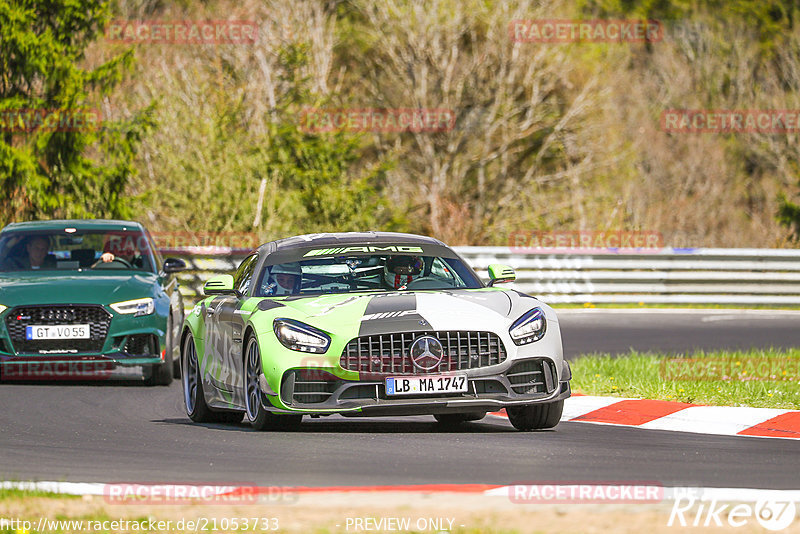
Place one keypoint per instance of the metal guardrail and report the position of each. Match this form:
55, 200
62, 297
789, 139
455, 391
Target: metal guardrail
666, 276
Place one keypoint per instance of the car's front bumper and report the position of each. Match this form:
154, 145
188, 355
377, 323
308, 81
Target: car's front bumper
430, 406
489, 389
117, 341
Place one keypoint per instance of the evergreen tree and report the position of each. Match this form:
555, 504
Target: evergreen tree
60, 154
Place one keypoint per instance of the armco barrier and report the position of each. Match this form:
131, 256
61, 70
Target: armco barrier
668, 275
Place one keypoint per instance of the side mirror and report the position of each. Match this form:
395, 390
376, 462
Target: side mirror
219, 285
501, 274
173, 265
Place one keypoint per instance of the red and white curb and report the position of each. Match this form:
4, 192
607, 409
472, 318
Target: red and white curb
490, 490
682, 417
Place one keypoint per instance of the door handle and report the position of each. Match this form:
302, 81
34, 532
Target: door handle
211, 311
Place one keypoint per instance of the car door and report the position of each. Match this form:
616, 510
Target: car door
228, 327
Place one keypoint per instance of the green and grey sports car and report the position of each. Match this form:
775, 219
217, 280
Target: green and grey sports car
369, 324
78, 298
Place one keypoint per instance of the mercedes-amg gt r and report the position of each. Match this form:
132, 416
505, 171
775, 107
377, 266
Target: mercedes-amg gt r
368, 324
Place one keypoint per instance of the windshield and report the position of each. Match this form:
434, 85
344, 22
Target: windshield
348, 274
75, 249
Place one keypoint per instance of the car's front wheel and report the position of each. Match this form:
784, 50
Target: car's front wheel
176, 362
260, 418
193, 397
160, 374
535, 416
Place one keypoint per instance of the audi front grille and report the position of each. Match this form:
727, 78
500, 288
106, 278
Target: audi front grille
95, 316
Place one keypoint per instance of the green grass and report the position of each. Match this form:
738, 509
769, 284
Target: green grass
713, 378
13, 494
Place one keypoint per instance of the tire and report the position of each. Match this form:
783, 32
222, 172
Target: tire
161, 374
176, 362
535, 416
192, 385
453, 419
193, 397
255, 413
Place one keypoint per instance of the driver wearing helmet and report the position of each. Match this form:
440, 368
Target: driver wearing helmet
399, 271
284, 279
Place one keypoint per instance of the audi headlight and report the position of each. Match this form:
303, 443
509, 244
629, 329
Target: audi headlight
528, 328
300, 336
138, 307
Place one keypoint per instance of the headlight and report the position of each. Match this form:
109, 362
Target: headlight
528, 328
137, 307
300, 336
3, 308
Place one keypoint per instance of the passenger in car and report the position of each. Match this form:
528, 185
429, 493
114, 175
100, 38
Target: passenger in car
36, 255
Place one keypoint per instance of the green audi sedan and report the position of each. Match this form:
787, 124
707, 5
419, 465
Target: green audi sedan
79, 298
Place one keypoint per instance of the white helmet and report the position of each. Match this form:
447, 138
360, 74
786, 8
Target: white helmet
398, 271
286, 269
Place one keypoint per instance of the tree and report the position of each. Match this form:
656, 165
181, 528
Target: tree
61, 156
232, 145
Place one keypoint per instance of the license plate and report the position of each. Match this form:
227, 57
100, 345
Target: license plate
65, 331
416, 385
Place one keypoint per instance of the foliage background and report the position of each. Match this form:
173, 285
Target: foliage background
547, 136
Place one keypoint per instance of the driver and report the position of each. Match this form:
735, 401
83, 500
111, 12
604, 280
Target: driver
285, 279
398, 271
120, 247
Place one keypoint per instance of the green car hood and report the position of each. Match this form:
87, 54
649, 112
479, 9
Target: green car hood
373, 313
74, 288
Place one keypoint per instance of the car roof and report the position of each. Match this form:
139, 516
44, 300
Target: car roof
351, 238
293, 248
81, 224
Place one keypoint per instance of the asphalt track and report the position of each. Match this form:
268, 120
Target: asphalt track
125, 432
619, 331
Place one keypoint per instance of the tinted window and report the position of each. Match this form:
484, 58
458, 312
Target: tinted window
346, 274
75, 250
244, 274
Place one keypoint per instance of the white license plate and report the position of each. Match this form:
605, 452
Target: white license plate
63, 331
418, 385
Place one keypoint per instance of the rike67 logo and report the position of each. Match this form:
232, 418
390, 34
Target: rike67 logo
772, 514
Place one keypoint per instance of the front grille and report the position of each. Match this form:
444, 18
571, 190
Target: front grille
386, 354
95, 316
530, 377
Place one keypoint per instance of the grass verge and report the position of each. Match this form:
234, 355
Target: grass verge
758, 378
11, 494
